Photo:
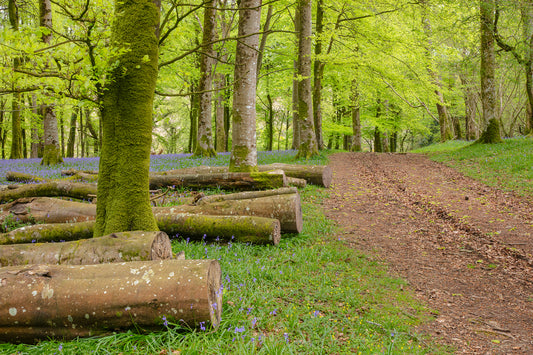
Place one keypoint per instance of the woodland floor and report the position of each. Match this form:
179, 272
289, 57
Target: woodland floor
464, 248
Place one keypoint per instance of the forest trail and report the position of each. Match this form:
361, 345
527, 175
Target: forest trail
465, 248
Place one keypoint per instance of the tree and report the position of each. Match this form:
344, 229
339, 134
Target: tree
123, 194
244, 139
487, 72
308, 146
52, 151
16, 128
204, 143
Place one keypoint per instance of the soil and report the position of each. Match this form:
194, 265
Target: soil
464, 248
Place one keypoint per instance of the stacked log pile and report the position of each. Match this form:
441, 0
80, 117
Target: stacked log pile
88, 286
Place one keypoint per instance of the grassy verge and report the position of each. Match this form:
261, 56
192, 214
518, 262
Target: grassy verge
508, 165
309, 295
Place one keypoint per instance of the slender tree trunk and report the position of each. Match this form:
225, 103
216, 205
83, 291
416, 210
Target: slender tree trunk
204, 144
72, 132
244, 136
356, 120
487, 71
308, 145
527, 20
318, 71
123, 193
16, 127
470, 109
441, 106
295, 113
52, 150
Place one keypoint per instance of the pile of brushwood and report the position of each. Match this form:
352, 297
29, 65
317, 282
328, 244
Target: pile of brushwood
57, 281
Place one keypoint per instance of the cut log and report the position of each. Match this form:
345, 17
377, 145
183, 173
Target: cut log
117, 247
69, 301
244, 229
246, 195
286, 208
50, 188
314, 174
226, 180
72, 171
23, 177
299, 183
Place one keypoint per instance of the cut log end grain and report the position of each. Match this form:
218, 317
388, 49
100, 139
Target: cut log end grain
161, 247
65, 301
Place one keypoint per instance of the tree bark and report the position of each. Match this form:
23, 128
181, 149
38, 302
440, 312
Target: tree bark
69, 301
488, 60
308, 144
52, 150
72, 133
295, 114
244, 136
117, 247
16, 127
285, 207
123, 193
226, 180
204, 146
318, 73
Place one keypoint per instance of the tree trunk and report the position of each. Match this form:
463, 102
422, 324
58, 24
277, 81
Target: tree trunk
526, 11
227, 180
244, 136
52, 150
90, 300
488, 60
318, 72
295, 117
51, 188
16, 127
220, 132
72, 133
308, 144
470, 109
286, 208
356, 120
117, 247
204, 146
36, 139
123, 193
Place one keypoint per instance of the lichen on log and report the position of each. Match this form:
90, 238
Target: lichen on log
68, 301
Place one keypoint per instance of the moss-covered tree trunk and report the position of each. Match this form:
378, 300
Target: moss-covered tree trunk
204, 143
244, 138
123, 194
308, 146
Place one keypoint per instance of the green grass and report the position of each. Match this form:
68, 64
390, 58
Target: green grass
508, 165
309, 295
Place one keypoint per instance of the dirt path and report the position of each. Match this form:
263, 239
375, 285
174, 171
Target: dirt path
465, 248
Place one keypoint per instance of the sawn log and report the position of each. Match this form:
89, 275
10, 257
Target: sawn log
69, 301
117, 247
50, 188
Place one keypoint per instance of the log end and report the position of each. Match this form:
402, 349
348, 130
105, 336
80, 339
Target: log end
327, 176
214, 282
161, 247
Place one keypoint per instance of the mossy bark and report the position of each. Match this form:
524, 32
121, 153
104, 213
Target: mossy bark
123, 194
117, 247
68, 301
51, 188
492, 134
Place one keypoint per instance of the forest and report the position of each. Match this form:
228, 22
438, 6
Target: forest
381, 75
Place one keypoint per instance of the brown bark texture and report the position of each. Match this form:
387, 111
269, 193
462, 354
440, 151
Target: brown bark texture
69, 301
116, 247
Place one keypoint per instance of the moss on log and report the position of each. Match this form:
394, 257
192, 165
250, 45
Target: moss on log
116, 247
284, 207
23, 177
225, 180
68, 301
245, 229
50, 189
245, 195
